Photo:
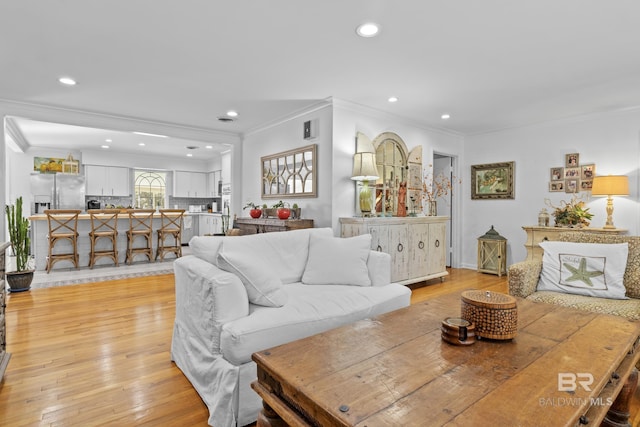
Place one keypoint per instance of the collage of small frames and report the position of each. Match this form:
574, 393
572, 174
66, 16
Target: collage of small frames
572, 177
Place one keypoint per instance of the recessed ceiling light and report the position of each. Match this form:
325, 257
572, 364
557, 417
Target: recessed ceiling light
105, 146
67, 81
107, 140
445, 116
189, 155
393, 99
141, 144
232, 113
209, 147
151, 134
367, 30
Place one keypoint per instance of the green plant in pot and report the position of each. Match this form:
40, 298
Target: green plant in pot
283, 209
254, 211
19, 280
571, 214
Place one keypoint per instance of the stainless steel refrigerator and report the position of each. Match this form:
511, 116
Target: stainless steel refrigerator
56, 191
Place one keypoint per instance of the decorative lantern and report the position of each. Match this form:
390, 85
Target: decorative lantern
492, 253
543, 218
71, 165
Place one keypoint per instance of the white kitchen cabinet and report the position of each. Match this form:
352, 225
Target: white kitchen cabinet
189, 184
209, 225
212, 189
416, 244
225, 161
107, 181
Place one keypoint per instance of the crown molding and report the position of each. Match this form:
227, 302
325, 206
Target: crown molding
16, 135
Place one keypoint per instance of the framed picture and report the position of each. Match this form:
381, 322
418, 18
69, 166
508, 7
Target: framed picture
587, 171
571, 185
556, 174
571, 160
571, 173
586, 184
556, 186
493, 181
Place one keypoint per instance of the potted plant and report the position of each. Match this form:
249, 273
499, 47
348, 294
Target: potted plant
19, 280
283, 209
571, 214
295, 211
255, 211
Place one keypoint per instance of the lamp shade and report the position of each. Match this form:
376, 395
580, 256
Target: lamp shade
364, 167
610, 185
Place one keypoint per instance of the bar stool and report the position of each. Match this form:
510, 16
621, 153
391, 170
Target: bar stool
170, 226
104, 225
63, 225
140, 225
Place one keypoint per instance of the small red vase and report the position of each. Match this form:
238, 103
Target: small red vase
255, 213
283, 213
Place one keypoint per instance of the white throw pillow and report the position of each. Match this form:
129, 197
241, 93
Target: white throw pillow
262, 285
593, 269
338, 261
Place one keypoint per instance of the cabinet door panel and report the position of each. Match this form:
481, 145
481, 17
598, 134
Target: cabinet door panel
379, 238
419, 241
96, 177
399, 250
437, 260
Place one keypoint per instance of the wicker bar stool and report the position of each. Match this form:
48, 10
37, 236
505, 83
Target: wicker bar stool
63, 225
140, 225
170, 227
104, 225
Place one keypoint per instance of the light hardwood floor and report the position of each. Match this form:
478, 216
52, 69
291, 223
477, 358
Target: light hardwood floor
98, 354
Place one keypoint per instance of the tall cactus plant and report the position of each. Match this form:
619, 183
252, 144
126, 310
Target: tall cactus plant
18, 233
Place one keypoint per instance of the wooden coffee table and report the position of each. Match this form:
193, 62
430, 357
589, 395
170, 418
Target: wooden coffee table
396, 370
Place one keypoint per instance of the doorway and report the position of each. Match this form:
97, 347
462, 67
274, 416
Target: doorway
444, 164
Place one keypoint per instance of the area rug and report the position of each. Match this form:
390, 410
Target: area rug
98, 274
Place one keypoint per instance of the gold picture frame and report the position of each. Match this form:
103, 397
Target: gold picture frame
493, 181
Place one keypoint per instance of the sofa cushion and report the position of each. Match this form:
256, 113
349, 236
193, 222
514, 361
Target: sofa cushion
629, 308
590, 269
263, 287
311, 309
286, 253
338, 261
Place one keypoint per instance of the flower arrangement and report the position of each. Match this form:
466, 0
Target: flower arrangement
571, 213
434, 187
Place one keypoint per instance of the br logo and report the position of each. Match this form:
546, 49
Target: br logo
568, 381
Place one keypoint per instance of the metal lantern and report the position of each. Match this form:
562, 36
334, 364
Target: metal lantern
492, 253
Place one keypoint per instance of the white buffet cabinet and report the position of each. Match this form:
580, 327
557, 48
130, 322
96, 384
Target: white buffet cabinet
416, 244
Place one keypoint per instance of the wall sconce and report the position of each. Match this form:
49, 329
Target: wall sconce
609, 186
365, 170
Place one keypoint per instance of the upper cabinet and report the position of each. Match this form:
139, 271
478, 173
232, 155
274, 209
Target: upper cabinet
107, 181
226, 168
189, 184
213, 190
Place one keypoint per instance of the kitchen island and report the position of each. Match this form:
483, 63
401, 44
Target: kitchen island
40, 243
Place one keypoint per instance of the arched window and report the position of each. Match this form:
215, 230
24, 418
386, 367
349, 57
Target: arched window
150, 189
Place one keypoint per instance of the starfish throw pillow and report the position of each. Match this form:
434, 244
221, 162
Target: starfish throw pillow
592, 269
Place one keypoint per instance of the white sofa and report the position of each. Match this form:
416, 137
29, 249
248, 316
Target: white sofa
242, 294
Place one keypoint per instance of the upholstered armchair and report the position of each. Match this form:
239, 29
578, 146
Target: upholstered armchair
524, 277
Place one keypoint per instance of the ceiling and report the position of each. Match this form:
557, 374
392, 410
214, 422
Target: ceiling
492, 65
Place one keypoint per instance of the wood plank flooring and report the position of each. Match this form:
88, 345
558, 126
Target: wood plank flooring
99, 354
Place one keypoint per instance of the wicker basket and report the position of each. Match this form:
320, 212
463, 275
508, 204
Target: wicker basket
494, 315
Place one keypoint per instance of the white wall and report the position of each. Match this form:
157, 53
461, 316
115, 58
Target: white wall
611, 141
284, 136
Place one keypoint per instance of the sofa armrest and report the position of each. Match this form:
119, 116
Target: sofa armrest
379, 266
523, 278
206, 299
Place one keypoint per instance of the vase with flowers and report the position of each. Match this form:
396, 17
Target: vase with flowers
570, 214
434, 187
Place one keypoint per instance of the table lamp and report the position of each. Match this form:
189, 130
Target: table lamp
365, 170
609, 186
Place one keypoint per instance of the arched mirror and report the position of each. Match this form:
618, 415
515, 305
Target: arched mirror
391, 159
